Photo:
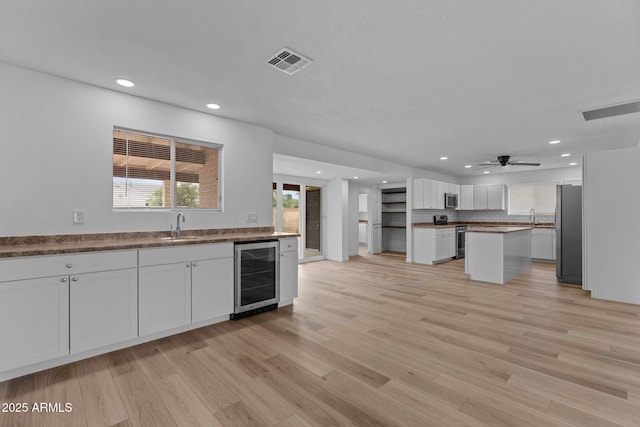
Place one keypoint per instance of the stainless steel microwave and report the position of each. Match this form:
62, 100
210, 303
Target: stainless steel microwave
450, 201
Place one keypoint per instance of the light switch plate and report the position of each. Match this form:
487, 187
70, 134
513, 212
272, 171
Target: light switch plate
252, 217
78, 217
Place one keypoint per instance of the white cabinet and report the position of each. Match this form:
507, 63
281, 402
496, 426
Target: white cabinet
376, 238
480, 197
489, 196
34, 315
376, 206
362, 203
362, 232
466, 197
496, 196
418, 194
103, 308
543, 244
429, 194
59, 304
172, 288
211, 289
288, 270
165, 297
431, 245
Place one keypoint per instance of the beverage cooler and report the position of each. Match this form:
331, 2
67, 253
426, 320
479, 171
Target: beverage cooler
256, 278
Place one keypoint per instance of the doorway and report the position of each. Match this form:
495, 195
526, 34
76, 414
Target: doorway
313, 215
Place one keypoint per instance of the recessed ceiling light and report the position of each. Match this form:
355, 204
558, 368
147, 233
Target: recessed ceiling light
486, 172
355, 177
213, 106
318, 171
565, 155
125, 83
573, 163
554, 142
467, 166
443, 158
384, 182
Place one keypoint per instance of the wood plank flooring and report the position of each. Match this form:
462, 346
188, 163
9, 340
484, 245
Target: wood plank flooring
371, 342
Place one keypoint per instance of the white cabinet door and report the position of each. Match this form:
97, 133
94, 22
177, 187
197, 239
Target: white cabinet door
376, 238
480, 197
495, 196
34, 315
164, 297
441, 245
438, 201
451, 243
418, 193
362, 233
103, 308
466, 197
288, 276
362, 203
211, 289
376, 206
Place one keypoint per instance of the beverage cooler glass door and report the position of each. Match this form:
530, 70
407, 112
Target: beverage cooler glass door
257, 278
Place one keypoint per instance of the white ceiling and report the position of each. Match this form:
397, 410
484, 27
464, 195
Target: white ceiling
406, 80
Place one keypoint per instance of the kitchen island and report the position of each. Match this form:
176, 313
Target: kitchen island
497, 254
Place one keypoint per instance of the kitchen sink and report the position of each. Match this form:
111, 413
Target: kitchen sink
179, 239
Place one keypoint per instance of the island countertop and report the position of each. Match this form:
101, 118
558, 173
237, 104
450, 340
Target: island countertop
496, 229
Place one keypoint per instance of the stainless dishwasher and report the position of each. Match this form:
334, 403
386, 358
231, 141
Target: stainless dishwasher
257, 283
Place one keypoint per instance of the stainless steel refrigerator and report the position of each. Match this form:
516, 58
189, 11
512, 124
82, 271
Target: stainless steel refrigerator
569, 233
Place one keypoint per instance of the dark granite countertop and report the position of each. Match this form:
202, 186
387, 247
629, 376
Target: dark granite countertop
73, 243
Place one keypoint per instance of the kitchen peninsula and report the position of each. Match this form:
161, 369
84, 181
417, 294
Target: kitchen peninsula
497, 254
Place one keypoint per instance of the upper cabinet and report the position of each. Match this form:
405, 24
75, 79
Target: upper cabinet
491, 196
429, 194
465, 202
362, 203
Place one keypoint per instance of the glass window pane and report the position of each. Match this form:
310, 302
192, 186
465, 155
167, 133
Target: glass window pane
196, 169
291, 208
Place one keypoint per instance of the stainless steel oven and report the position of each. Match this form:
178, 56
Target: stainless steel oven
257, 284
460, 240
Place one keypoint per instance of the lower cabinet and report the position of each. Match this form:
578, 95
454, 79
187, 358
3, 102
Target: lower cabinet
103, 308
543, 244
183, 285
34, 315
431, 245
288, 270
165, 297
211, 289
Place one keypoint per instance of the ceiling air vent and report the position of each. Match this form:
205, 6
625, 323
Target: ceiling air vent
614, 110
288, 61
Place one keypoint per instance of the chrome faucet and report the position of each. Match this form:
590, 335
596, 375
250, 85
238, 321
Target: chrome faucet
177, 232
532, 216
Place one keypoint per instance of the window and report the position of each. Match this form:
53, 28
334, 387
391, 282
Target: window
161, 172
538, 196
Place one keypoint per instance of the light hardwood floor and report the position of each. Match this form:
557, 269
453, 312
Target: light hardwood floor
371, 342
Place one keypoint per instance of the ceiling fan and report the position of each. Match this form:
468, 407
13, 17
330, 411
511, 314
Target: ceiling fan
504, 161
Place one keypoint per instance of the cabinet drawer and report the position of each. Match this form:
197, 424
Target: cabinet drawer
61, 265
160, 256
543, 232
289, 244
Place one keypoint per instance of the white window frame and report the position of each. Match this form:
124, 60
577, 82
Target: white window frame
536, 204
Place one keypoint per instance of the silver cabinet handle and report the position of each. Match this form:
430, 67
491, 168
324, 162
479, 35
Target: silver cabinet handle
195, 264
281, 254
68, 265
63, 280
188, 265
75, 279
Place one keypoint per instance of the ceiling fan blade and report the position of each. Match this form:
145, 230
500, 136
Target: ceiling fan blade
524, 164
486, 165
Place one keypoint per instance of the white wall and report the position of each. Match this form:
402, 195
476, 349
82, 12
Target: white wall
337, 220
611, 208
354, 216
57, 156
313, 151
559, 175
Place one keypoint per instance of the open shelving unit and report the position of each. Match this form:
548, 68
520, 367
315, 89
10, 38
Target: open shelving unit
394, 220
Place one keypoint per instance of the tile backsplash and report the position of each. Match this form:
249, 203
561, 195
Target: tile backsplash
426, 215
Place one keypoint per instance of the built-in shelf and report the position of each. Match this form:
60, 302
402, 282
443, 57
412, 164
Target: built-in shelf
394, 214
